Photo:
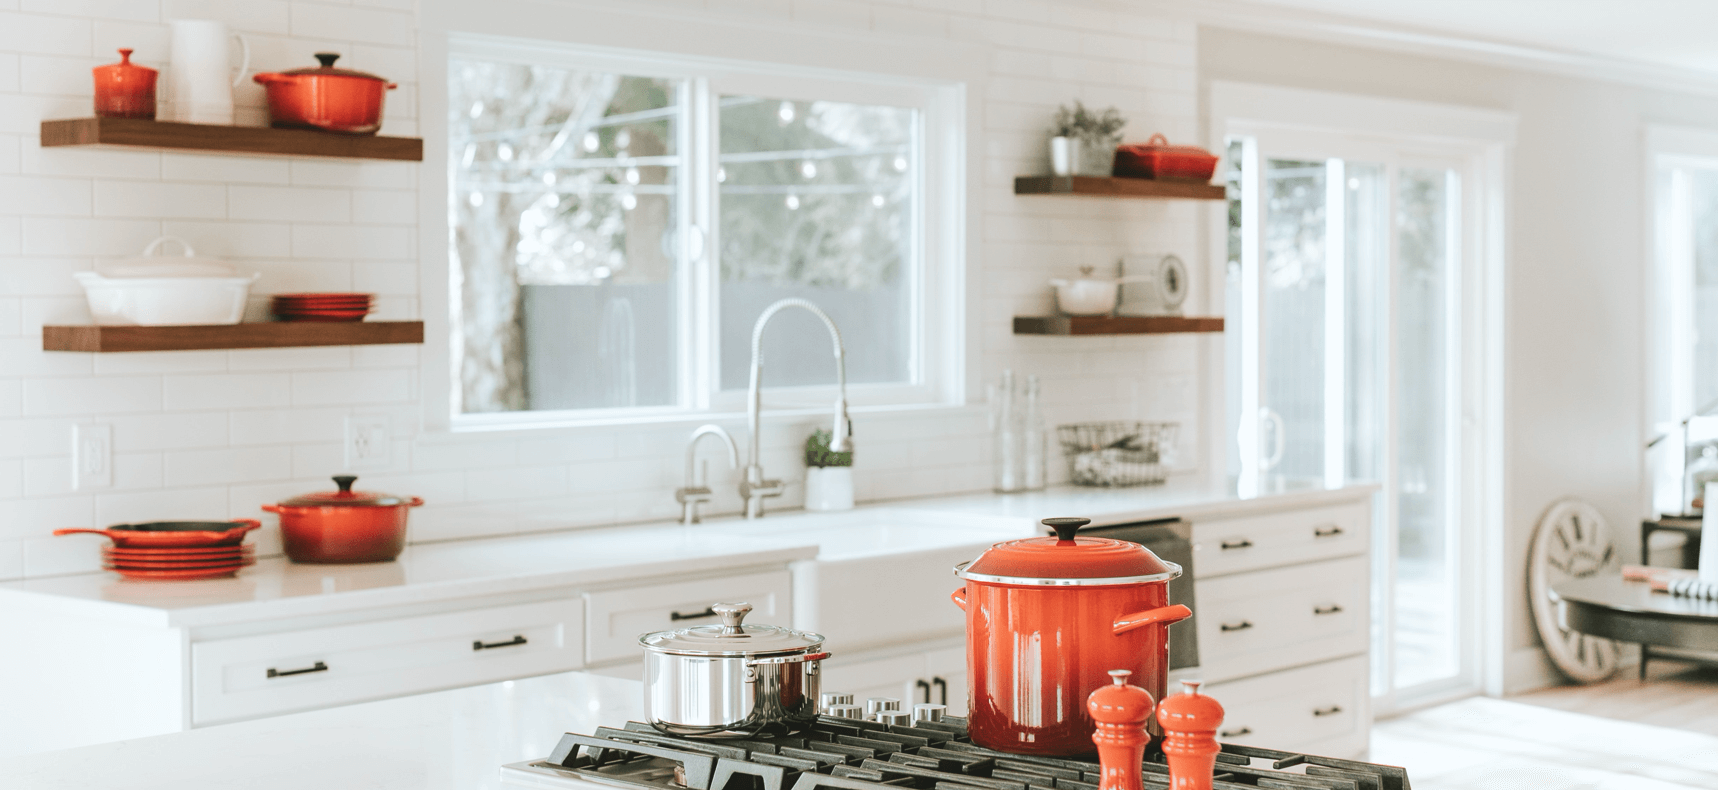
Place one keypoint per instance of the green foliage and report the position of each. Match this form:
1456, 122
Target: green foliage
817, 451
1088, 125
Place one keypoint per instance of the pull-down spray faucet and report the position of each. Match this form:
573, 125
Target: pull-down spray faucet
754, 488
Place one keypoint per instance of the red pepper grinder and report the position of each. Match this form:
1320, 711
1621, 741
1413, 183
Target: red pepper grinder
1190, 723
1121, 712
125, 89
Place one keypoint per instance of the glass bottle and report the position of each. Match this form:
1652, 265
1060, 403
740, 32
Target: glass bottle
1033, 426
1006, 437
1704, 470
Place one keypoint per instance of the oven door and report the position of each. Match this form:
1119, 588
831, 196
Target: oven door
1172, 540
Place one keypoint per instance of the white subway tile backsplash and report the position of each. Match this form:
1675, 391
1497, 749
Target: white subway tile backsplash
317, 461
351, 242
10, 318
909, 21
9, 67
384, 207
227, 391
42, 276
136, 471
39, 33
47, 476
11, 478
28, 518
82, 236
355, 386
25, 357
518, 482
371, 26
85, 162
51, 556
288, 359
375, 175
253, 427
151, 40
247, 16
233, 239
223, 169
290, 204
108, 395
174, 504
11, 559
212, 467
399, 279
36, 196
159, 362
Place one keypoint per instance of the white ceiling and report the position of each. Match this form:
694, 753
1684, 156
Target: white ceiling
1667, 33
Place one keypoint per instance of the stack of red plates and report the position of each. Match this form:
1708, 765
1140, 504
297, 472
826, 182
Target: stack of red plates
322, 307
177, 562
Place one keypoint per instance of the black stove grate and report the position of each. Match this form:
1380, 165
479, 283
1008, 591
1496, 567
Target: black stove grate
847, 754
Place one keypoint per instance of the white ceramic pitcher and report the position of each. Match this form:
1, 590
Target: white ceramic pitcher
201, 75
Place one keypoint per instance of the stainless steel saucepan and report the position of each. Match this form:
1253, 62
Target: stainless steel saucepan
733, 679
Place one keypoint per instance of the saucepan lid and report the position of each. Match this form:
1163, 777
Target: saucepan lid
732, 638
1066, 560
346, 497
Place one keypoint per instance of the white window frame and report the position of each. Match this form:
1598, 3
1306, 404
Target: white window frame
1668, 355
1318, 125
679, 47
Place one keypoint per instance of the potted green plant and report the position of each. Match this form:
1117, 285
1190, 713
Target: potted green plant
828, 474
1084, 141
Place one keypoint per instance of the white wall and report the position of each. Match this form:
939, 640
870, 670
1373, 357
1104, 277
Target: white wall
1576, 278
212, 434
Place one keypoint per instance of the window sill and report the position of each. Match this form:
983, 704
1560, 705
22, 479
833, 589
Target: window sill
469, 429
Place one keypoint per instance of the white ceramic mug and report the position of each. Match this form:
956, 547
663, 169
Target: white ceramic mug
201, 76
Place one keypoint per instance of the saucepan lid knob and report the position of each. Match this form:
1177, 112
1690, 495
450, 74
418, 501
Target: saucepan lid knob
1065, 528
733, 616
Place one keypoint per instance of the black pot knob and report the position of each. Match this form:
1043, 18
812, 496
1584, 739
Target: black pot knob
1066, 527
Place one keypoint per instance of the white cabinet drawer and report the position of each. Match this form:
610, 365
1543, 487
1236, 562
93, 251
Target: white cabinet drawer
1233, 545
263, 675
619, 617
1268, 620
1325, 705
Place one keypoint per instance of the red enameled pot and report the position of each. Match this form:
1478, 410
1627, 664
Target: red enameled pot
1046, 621
125, 89
343, 526
327, 98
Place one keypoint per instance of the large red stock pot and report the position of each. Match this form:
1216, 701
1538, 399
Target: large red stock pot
1046, 621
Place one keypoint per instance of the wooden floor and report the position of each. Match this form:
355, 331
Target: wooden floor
1620, 735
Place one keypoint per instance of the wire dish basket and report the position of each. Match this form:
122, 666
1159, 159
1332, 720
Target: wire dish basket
1118, 453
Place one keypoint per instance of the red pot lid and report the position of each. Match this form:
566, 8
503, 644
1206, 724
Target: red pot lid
345, 497
1067, 560
327, 69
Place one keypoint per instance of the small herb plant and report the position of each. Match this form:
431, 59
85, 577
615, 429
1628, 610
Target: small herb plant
817, 452
1085, 124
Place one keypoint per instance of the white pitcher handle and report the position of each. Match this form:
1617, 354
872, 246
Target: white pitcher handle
244, 59
150, 250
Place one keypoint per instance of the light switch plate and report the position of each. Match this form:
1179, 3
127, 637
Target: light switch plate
368, 445
92, 456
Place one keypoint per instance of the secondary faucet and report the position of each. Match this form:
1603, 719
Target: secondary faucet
697, 488
754, 488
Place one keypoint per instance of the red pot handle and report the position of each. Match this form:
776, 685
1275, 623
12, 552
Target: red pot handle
416, 501
959, 598
1173, 613
70, 531
272, 508
268, 77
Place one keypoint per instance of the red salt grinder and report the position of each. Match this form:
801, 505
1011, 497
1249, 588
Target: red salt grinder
1121, 712
1190, 723
125, 89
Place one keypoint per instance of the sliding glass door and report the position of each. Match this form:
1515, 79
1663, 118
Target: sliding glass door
1346, 262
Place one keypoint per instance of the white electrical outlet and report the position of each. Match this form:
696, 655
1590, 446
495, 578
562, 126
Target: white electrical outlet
92, 456
367, 443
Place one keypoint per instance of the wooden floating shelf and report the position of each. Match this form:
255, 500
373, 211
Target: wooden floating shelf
275, 334
1096, 186
209, 138
1114, 325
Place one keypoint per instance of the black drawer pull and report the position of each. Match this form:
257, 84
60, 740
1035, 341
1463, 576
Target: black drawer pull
1331, 609
1240, 626
1330, 711
925, 686
1330, 531
1235, 733
942, 689
1243, 543
316, 667
516, 640
709, 611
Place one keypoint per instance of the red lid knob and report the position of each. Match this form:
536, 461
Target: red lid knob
1120, 703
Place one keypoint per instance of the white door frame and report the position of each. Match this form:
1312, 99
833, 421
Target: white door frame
1321, 126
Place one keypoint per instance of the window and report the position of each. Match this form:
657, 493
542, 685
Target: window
617, 226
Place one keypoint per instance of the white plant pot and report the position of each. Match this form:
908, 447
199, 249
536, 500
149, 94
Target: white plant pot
1064, 155
829, 488
1096, 158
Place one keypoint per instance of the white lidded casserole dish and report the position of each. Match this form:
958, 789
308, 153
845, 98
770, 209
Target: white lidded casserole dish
154, 291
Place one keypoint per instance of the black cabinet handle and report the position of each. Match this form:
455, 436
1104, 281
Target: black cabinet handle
281, 673
1243, 543
1331, 609
709, 611
1240, 626
921, 685
516, 640
1235, 733
942, 689
1330, 711
1328, 531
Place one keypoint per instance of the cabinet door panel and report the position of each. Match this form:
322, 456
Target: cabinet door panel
1234, 545
618, 617
1263, 621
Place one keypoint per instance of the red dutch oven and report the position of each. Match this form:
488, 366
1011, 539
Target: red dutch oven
1047, 619
327, 98
343, 526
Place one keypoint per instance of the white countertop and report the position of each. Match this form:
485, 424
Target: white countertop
447, 740
277, 588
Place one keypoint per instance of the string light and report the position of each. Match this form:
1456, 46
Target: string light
549, 178
476, 199
808, 169
592, 142
504, 151
901, 164
785, 112
877, 200
629, 201
622, 139
632, 175
792, 202
476, 109
721, 174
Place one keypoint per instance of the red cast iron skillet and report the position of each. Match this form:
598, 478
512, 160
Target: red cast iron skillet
157, 534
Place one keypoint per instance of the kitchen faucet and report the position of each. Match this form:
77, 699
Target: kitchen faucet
697, 488
754, 488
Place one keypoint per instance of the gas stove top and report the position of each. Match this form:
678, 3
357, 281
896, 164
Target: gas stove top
850, 754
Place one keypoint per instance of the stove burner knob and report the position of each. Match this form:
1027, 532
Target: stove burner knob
894, 717
875, 705
923, 712
847, 712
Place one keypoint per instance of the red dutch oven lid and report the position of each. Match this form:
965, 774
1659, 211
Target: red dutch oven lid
1065, 560
327, 69
346, 497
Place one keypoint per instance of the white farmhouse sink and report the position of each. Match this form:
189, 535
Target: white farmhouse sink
881, 576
